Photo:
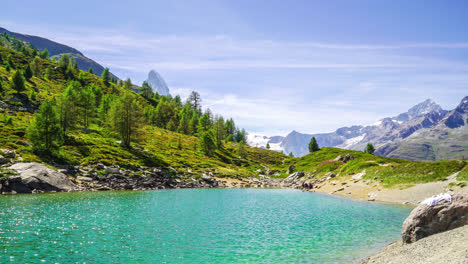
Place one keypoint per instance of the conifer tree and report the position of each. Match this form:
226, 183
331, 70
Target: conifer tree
28, 72
128, 84
68, 108
17, 82
291, 155
106, 76
268, 145
63, 62
36, 66
219, 131
369, 148
207, 142
146, 90
313, 145
44, 54
44, 130
195, 100
126, 117
90, 70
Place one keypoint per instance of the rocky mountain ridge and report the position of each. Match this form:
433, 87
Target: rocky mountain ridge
57, 49
424, 132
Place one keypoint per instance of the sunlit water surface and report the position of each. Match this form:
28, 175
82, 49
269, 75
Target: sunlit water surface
193, 226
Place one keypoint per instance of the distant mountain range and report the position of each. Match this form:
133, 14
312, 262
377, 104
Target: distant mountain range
56, 50
424, 132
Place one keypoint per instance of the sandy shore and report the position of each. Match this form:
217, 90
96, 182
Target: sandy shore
447, 247
374, 192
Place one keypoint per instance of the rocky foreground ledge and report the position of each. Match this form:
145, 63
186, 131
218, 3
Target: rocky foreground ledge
431, 234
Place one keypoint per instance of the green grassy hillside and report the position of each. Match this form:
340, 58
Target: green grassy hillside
155, 147
159, 145
388, 171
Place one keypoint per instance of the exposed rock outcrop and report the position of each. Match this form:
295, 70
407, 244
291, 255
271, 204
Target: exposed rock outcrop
427, 220
33, 177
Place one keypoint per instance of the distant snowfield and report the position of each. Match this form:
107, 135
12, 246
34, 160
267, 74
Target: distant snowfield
259, 141
349, 142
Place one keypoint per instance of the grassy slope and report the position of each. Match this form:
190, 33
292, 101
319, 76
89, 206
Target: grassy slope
157, 147
389, 171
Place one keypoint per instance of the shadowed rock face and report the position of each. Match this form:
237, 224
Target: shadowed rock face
427, 220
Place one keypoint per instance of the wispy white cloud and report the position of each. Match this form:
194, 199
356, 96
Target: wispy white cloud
270, 85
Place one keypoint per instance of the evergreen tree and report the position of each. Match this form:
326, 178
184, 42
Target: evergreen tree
163, 114
104, 108
44, 130
128, 84
207, 142
17, 82
126, 117
90, 70
97, 91
204, 123
36, 66
44, 54
241, 136
28, 72
291, 155
195, 100
63, 62
146, 90
10, 61
194, 124
230, 128
68, 108
268, 145
87, 105
106, 76
369, 148
313, 145
219, 131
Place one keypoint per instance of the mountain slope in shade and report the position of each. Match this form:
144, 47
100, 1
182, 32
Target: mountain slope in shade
57, 49
156, 81
424, 132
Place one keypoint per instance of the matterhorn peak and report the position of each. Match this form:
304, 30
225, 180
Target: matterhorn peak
156, 81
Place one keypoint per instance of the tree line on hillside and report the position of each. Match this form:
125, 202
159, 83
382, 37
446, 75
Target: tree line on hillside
113, 105
313, 147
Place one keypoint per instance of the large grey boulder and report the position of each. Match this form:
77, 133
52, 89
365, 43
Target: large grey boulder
427, 220
36, 176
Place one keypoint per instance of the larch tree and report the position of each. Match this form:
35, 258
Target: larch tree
127, 117
45, 129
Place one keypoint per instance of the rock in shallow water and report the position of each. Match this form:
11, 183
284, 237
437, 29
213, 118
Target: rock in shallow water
427, 220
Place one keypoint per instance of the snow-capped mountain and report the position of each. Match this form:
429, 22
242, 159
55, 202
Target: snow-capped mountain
406, 135
156, 81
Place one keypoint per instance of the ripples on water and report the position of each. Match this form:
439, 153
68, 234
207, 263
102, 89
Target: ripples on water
193, 226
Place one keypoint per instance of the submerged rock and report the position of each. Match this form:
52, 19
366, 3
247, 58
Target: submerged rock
427, 220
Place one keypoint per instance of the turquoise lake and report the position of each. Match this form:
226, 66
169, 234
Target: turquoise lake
193, 226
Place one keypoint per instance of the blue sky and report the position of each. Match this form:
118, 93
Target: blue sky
274, 66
